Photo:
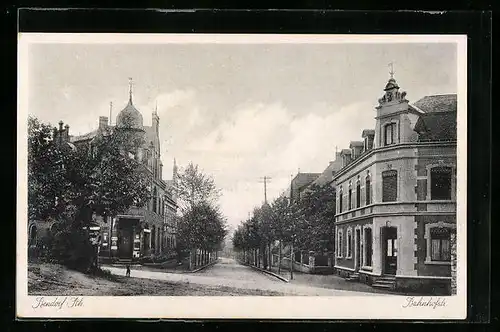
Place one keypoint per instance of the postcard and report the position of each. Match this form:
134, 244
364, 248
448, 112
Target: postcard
241, 176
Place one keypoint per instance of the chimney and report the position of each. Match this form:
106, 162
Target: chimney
103, 122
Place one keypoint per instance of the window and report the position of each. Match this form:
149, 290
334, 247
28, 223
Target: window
368, 190
440, 244
350, 198
340, 200
368, 247
389, 133
441, 183
155, 195
389, 186
358, 194
349, 243
339, 243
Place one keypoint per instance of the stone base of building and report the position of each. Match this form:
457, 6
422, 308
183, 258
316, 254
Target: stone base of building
427, 285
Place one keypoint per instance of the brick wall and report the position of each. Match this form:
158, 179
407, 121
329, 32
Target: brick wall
453, 244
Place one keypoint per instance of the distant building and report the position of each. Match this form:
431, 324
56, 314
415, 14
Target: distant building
300, 183
396, 194
150, 229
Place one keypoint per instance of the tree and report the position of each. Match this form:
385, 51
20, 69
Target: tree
194, 187
46, 172
106, 181
203, 227
316, 213
72, 185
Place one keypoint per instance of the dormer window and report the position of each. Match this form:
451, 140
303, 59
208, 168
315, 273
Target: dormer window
389, 133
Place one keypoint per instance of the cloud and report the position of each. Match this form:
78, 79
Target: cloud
266, 140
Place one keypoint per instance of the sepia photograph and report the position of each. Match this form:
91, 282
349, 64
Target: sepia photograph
241, 176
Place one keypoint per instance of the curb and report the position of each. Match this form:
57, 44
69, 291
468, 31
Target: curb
266, 272
203, 267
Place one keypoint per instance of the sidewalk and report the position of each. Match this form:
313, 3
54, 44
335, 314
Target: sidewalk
330, 281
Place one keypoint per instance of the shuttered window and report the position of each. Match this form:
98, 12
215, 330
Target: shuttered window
389, 186
441, 183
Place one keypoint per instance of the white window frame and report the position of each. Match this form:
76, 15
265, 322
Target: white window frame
428, 240
453, 196
348, 243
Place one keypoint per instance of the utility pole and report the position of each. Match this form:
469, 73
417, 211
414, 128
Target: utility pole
265, 180
110, 111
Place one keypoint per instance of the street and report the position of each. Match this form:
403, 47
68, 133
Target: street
229, 273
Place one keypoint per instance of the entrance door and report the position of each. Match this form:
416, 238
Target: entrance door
390, 249
358, 248
125, 242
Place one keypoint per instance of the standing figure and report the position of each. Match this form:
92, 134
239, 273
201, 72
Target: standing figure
128, 271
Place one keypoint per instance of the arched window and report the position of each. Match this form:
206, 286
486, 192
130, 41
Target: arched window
349, 243
350, 196
358, 193
441, 183
339, 243
368, 190
341, 194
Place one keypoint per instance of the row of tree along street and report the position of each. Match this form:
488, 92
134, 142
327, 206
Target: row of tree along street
302, 224
67, 186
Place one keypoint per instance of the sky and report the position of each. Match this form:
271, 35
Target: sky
239, 111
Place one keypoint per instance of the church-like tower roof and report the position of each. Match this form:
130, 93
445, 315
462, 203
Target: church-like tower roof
130, 117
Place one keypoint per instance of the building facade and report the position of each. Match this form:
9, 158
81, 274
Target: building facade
396, 195
148, 230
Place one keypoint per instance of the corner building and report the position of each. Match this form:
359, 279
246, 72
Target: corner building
148, 230
396, 195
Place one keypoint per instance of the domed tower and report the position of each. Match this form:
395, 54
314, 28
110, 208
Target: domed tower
129, 123
130, 117
392, 114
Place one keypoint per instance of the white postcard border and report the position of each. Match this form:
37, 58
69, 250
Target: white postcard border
294, 307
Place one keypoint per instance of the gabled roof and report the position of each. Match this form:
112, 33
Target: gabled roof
356, 143
346, 151
368, 132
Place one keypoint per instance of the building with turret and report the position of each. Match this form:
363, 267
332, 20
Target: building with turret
396, 195
149, 230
